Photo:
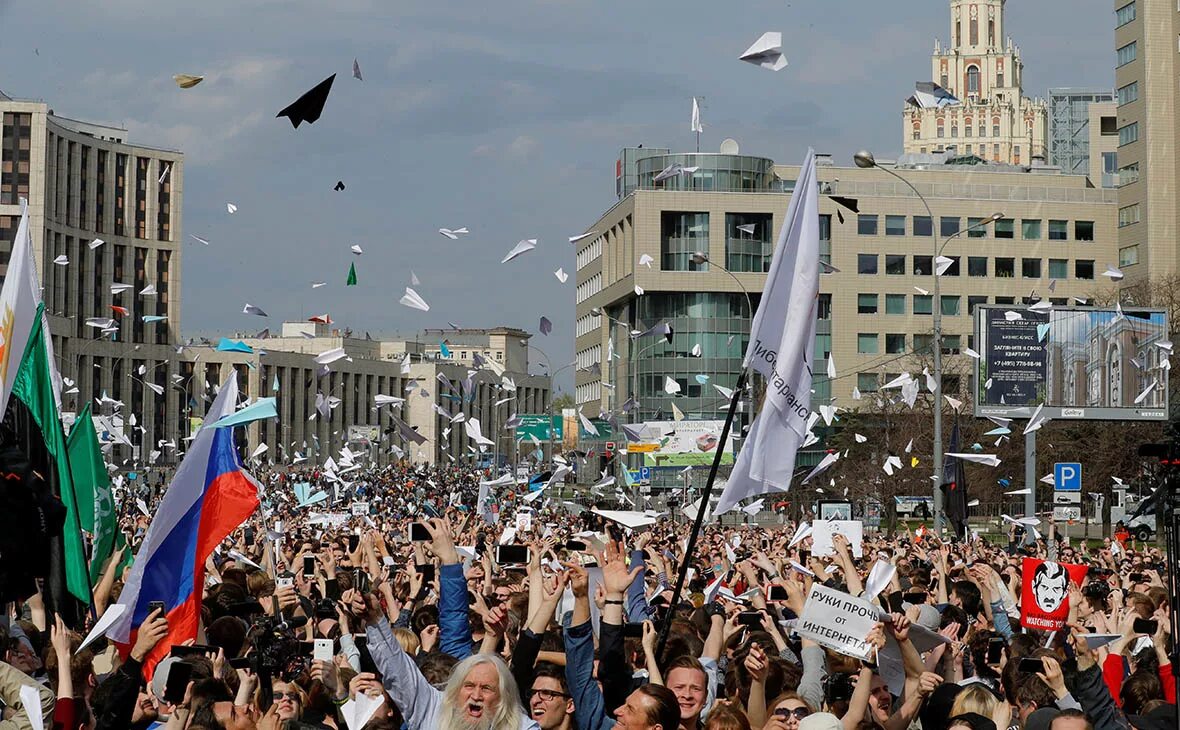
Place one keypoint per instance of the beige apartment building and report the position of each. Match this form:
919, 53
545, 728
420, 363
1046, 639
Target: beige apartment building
1056, 236
1146, 33
975, 103
109, 213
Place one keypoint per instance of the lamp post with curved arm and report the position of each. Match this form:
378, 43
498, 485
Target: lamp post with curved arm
864, 159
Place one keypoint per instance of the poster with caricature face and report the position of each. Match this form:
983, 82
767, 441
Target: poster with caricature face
1044, 595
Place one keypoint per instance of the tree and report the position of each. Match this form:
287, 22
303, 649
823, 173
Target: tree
563, 400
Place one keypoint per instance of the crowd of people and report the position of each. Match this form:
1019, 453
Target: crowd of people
396, 603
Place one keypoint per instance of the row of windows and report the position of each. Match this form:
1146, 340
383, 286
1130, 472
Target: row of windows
590, 356
867, 224
1129, 93
1124, 15
590, 253
587, 323
1128, 53
1004, 267
1128, 215
589, 288
1129, 134
588, 392
923, 304
869, 343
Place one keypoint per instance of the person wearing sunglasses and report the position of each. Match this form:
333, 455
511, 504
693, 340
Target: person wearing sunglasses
787, 711
290, 700
549, 702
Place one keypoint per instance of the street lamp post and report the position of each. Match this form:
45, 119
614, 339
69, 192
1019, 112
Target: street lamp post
700, 257
864, 159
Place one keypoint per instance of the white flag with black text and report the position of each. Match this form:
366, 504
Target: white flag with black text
782, 343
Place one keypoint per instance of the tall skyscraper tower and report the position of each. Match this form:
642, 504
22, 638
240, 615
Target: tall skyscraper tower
975, 104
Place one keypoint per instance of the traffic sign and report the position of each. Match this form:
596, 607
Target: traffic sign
1067, 498
1063, 514
645, 473
1067, 477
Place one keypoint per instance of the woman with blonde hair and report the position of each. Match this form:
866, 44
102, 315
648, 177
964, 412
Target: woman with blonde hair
980, 700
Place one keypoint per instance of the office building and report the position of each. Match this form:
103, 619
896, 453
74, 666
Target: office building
1056, 235
1070, 132
1146, 33
975, 103
105, 219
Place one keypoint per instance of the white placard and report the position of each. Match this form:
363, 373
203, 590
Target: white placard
360, 509
822, 531
837, 621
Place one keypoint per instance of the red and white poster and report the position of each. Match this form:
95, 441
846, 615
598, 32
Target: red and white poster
1044, 594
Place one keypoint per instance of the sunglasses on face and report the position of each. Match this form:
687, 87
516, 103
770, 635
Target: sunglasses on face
547, 695
799, 712
289, 696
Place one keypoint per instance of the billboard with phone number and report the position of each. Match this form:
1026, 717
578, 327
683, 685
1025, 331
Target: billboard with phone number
1090, 363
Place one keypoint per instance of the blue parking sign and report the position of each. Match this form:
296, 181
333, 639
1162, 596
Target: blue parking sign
1067, 477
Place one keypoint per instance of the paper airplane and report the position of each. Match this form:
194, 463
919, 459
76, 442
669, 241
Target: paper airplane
412, 300
985, 459
767, 52
453, 233
523, 246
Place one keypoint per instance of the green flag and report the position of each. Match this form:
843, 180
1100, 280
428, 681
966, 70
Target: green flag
33, 386
92, 486
351, 275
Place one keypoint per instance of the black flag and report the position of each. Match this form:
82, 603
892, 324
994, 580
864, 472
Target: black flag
954, 488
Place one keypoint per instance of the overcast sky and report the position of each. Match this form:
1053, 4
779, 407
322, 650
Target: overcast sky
503, 116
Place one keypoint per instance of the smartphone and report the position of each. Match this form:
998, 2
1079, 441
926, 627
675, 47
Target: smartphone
750, 618
178, 678
309, 565
1031, 665
575, 545
517, 554
1145, 626
419, 533
1136, 577
916, 599
284, 581
360, 580
194, 650
995, 647
241, 662
895, 599
249, 536
157, 606
362, 647
426, 570
776, 593
633, 631
354, 541
322, 651
804, 557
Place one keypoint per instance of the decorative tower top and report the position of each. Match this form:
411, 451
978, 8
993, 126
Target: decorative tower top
977, 26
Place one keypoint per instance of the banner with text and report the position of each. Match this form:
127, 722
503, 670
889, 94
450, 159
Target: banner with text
838, 621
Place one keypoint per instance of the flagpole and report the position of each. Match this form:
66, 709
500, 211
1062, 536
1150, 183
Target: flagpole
78, 521
700, 517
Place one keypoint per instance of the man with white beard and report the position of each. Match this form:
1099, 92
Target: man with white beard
480, 695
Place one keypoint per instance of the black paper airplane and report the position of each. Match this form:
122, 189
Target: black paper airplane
310, 106
339, 185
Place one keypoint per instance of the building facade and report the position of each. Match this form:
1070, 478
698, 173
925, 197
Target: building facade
105, 219
986, 113
1070, 133
1055, 236
1145, 80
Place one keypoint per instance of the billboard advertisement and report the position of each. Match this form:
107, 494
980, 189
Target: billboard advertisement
539, 427
1090, 363
683, 443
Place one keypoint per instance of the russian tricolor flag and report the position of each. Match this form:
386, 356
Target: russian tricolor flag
210, 497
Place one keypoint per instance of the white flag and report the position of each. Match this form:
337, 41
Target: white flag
18, 307
696, 117
782, 342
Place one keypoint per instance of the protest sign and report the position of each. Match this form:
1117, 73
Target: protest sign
838, 621
822, 531
1045, 593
